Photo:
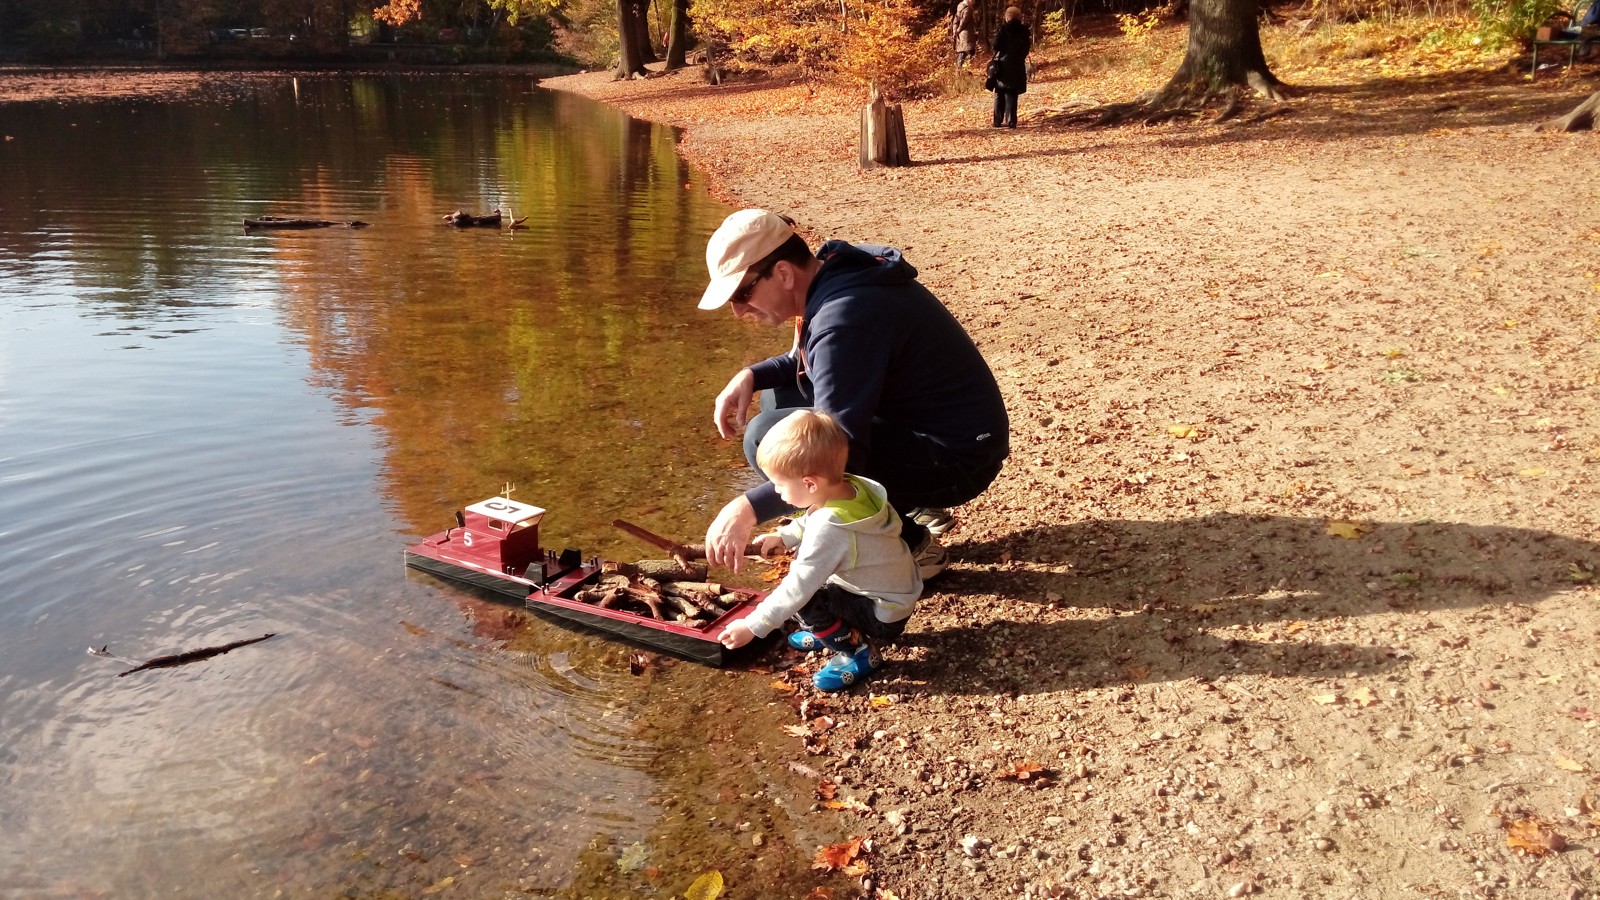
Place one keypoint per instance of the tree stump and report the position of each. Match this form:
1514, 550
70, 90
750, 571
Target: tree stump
713, 72
1579, 119
883, 134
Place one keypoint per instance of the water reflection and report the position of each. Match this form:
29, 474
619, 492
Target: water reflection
300, 405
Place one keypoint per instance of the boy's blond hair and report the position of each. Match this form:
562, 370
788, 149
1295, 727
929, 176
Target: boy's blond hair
805, 443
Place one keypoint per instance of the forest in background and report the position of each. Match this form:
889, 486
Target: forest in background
900, 42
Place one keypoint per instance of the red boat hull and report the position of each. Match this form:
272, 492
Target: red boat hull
547, 586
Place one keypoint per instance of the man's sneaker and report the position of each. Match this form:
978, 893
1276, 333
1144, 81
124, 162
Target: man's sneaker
931, 558
846, 669
933, 518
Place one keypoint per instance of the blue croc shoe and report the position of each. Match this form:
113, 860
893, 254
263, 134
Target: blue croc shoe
841, 640
805, 640
846, 669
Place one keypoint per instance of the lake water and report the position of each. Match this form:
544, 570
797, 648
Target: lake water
208, 435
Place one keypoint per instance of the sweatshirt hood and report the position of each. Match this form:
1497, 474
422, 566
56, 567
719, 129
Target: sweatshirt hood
868, 512
846, 266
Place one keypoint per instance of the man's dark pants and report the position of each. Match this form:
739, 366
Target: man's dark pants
915, 470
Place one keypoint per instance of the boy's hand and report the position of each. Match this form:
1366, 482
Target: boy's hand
736, 635
770, 543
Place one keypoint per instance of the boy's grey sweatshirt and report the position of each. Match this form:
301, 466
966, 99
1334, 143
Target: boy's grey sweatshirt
853, 543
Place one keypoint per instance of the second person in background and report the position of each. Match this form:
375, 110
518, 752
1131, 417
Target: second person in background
1012, 41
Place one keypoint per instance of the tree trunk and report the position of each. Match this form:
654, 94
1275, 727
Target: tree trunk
678, 36
883, 134
1579, 119
1224, 52
641, 23
630, 61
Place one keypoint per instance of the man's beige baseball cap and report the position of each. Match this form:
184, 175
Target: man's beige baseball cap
742, 240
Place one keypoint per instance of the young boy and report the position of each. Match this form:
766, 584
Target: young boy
852, 574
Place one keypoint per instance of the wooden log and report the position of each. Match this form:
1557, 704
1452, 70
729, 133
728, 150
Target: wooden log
467, 220
684, 606
294, 224
653, 601
883, 133
670, 570
189, 656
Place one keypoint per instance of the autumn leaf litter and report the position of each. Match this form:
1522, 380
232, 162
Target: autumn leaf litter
1247, 613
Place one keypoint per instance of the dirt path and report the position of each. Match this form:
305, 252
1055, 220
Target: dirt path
1289, 586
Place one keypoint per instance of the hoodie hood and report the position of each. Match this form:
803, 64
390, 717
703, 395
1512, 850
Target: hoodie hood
847, 266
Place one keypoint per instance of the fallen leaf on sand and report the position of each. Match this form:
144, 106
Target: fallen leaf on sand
1571, 765
1534, 837
847, 804
842, 857
1363, 697
1325, 699
1023, 771
706, 887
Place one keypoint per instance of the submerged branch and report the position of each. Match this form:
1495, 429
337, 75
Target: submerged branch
189, 656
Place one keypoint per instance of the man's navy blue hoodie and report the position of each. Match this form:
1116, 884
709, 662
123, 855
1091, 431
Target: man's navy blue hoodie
875, 343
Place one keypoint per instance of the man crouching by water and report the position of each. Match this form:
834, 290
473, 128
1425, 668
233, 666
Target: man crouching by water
875, 350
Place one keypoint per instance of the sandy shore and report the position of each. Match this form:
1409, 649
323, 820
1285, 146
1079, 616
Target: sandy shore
1289, 585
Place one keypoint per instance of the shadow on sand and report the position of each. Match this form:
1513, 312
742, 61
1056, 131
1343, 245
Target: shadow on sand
1123, 602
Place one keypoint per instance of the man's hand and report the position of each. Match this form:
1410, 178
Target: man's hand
736, 635
729, 534
733, 404
770, 543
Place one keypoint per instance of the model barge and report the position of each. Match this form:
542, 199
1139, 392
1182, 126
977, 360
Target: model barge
495, 547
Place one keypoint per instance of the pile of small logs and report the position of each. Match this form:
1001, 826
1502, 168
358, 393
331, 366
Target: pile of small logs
660, 589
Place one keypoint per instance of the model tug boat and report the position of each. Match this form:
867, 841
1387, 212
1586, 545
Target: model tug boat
495, 547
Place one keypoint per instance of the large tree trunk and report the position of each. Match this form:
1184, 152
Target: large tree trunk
1224, 52
678, 36
641, 23
630, 61
1579, 119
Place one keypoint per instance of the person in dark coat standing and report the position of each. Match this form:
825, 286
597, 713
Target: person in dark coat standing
1010, 76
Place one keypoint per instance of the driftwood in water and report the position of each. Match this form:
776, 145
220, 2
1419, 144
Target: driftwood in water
1579, 119
285, 222
178, 659
467, 220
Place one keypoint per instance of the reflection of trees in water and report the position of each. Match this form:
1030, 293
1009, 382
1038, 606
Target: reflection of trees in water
557, 357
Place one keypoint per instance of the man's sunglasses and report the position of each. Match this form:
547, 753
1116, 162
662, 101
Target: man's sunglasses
741, 294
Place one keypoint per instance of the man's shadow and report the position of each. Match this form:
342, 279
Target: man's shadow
1101, 603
